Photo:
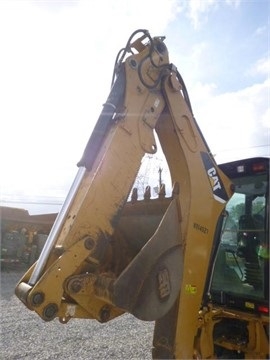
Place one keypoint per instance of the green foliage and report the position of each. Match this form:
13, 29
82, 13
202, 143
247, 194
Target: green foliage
237, 210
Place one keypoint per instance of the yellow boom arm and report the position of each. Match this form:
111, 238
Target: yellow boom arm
103, 257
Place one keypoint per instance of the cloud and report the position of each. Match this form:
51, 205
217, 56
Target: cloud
198, 10
260, 30
266, 120
261, 67
234, 124
233, 3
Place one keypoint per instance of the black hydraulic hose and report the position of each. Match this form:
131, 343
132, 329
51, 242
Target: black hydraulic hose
160, 48
104, 122
117, 63
127, 49
148, 86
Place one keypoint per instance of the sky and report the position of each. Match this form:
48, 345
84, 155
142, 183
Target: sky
56, 68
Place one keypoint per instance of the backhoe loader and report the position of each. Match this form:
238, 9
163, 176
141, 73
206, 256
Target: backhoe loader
195, 262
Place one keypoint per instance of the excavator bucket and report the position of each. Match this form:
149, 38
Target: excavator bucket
155, 271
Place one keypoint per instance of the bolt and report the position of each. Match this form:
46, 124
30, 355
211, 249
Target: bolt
89, 243
133, 63
74, 286
104, 314
37, 298
50, 312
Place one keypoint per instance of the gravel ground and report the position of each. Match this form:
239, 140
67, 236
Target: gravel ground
25, 336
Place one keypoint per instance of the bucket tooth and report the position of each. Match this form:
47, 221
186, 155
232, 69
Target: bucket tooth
147, 193
162, 191
134, 195
175, 190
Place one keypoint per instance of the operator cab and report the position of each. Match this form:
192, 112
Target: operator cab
240, 279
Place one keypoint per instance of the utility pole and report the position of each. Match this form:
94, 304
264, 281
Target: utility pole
160, 177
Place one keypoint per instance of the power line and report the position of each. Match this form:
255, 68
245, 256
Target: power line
245, 148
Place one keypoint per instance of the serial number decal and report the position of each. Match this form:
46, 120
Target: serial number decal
201, 228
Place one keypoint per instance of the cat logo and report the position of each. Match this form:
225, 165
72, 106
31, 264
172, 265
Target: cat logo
218, 189
214, 180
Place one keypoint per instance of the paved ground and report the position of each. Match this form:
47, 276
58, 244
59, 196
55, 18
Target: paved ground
25, 336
